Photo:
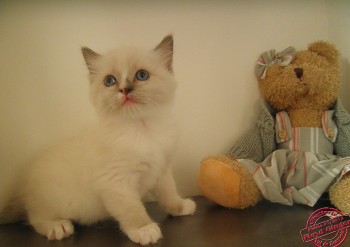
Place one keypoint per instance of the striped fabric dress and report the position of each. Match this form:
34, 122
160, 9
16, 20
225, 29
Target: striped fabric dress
303, 166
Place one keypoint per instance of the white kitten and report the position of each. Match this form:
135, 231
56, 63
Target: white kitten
107, 170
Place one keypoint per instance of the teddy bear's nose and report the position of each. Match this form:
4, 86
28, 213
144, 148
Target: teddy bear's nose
299, 72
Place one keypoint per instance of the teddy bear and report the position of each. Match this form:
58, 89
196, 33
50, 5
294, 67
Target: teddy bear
299, 147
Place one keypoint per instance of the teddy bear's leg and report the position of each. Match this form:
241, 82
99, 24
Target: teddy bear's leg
339, 194
223, 180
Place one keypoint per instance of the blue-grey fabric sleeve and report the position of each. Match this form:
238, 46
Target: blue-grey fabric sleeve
342, 119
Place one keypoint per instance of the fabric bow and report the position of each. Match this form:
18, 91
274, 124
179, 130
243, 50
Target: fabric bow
270, 57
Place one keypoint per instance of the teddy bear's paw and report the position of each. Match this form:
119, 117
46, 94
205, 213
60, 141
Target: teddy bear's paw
226, 182
219, 182
339, 194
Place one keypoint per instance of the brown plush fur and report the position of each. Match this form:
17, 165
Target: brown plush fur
304, 98
339, 194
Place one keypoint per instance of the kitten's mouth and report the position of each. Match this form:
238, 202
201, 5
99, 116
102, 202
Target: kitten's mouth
128, 101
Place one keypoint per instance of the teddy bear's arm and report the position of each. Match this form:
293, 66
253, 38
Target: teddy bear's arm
255, 145
342, 119
248, 146
258, 142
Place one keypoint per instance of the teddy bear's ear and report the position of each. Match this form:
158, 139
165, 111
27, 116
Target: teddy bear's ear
326, 50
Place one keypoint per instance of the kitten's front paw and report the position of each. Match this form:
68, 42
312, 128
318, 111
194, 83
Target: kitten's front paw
188, 207
145, 235
60, 229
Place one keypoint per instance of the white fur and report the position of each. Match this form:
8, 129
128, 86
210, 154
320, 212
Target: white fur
107, 170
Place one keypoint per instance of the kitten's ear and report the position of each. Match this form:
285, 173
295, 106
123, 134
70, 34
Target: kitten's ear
90, 57
165, 48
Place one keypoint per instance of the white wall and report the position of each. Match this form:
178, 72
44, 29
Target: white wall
43, 93
339, 33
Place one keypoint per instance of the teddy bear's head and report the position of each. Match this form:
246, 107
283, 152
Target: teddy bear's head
309, 78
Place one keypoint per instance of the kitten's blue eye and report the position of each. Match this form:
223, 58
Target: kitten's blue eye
142, 75
109, 80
